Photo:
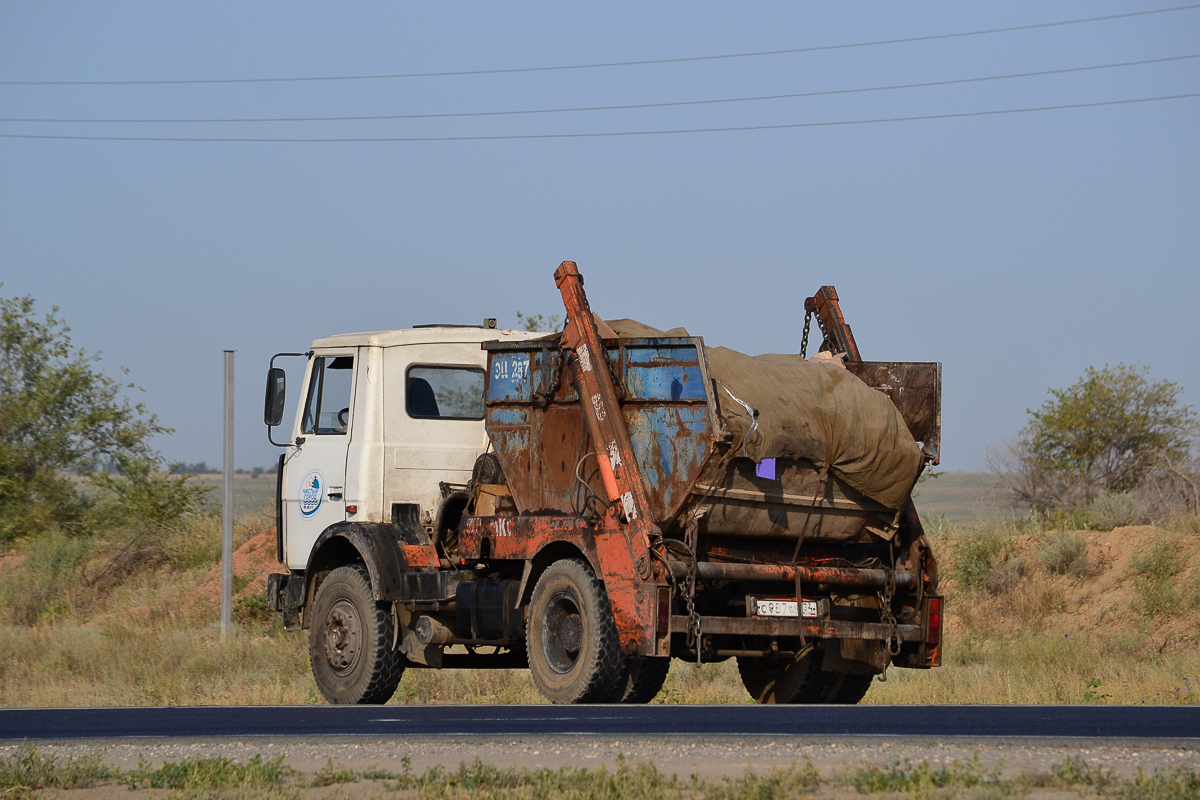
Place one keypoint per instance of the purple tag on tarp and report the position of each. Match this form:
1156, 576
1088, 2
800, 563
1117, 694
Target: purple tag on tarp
765, 469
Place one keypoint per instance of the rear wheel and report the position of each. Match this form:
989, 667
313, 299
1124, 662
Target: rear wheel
850, 689
785, 679
350, 641
642, 681
574, 651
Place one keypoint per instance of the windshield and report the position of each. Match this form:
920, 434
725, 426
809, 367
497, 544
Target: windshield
327, 409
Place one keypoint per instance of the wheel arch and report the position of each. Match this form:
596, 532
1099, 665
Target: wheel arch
373, 545
554, 551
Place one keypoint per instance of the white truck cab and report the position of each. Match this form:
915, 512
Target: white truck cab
388, 422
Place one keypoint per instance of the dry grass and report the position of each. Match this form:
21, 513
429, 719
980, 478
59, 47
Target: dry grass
1032, 617
1098, 617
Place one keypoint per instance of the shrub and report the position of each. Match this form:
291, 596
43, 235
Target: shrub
1108, 511
1176, 783
1064, 553
1154, 567
981, 559
144, 490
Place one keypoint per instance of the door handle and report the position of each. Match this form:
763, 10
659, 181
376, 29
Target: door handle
335, 493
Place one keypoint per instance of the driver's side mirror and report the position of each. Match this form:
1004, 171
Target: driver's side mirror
276, 389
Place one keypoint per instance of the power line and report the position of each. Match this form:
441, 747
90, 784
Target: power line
625, 107
610, 64
596, 135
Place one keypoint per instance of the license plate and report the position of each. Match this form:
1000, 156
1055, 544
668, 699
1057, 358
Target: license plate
784, 608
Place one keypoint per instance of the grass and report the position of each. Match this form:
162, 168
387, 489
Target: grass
29, 771
39, 593
1033, 616
1155, 567
208, 774
923, 779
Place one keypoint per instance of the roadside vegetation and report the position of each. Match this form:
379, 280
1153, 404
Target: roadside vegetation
29, 772
1035, 615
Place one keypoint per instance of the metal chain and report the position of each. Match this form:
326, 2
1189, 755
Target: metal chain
826, 342
884, 596
691, 540
804, 338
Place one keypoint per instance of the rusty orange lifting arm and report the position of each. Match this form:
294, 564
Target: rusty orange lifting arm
829, 317
598, 397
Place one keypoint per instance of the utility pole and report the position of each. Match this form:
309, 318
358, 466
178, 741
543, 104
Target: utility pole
227, 504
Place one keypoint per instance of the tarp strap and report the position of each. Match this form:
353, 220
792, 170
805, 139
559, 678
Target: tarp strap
753, 417
822, 474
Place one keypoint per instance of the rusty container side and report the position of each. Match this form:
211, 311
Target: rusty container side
683, 449
534, 420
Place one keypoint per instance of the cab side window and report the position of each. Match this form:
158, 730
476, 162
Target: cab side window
327, 408
438, 392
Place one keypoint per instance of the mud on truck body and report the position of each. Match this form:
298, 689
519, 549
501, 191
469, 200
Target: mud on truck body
592, 504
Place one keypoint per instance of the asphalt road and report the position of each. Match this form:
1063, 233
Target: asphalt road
1083, 722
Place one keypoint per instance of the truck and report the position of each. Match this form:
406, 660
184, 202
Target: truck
590, 505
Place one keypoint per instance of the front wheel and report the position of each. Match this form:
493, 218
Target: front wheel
350, 641
574, 652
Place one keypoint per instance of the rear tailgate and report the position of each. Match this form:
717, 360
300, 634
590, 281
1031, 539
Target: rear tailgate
916, 389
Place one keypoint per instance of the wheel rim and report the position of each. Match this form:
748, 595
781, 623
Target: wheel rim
343, 637
562, 633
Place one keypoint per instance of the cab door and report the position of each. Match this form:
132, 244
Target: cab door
315, 470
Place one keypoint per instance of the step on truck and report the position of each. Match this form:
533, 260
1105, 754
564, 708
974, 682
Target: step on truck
592, 504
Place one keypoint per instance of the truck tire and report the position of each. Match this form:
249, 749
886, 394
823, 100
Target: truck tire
785, 680
642, 680
849, 689
574, 652
350, 641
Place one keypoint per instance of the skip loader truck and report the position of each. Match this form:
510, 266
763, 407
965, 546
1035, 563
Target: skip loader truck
591, 504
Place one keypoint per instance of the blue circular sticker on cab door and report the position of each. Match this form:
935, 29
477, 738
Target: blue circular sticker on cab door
312, 491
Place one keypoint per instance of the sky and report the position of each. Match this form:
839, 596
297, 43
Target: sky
1015, 248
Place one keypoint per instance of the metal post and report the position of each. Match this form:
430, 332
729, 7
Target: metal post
227, 504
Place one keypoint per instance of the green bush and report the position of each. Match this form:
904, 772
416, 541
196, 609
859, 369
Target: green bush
1154, 568
1064, 553
1076, 773
981, 559
142, 490
922, 779
1108, 511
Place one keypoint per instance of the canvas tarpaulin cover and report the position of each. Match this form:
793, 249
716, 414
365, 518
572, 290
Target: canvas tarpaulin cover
809, 410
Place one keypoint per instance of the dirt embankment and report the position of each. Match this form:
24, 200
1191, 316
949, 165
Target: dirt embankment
252, 562
1142, 579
